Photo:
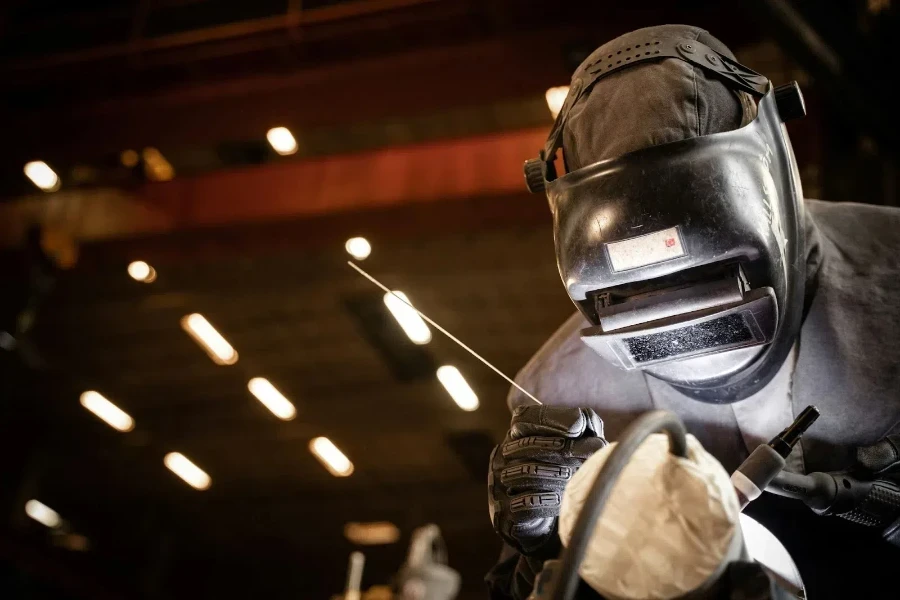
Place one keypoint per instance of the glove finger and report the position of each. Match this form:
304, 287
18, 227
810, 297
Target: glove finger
535, 537
880, 457
535, 477
530, 506
548, 421
553, 450
584, 448
535, 447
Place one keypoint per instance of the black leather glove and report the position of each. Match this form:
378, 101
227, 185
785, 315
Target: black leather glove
881, 458
543, 449
881, 461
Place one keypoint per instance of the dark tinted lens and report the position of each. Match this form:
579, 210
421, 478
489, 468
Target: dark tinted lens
726, 331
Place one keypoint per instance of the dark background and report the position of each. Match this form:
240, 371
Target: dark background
412, 119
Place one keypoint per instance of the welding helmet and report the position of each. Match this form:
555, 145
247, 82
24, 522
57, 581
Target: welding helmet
688, 257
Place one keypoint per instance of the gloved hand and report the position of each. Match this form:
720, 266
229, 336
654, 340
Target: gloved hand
544, 447
881, 458
881, 461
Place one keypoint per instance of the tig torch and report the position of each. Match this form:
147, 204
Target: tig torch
768, 460
871, 503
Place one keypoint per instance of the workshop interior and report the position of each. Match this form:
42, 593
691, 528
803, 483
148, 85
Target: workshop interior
266, 268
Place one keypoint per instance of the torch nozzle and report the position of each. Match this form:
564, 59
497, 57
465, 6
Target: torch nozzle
787, 439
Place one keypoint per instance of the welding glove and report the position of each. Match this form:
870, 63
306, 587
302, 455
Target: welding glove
544, 447
881, 460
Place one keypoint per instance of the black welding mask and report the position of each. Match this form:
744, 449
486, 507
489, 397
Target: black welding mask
688, 257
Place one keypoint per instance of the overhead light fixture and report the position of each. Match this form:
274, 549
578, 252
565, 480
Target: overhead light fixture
219, 350
141, 271
458, 388
42, 175
156, 167
556, 96
331, 458
282, 140
43, 514
358, 247
129, 158
108, 412
413, 325
376, 533
271, 398
182, 466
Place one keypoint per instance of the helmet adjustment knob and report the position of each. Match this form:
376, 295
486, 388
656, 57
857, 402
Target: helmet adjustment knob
789, 100
534, 175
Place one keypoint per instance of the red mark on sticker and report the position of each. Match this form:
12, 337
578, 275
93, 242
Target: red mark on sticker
670, 242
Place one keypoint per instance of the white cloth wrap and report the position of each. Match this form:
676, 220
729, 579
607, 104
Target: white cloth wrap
668, 526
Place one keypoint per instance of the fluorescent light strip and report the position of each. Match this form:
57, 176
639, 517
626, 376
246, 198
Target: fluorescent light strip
219, 350
282, 140
413, 325
195, 477
556, 97
43, 514
372, 534
271, 398
106, 411
331, 458
358, 247
141, 271
42, 175
458, 388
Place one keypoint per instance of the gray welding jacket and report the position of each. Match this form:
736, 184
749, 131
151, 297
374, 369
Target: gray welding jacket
846, 362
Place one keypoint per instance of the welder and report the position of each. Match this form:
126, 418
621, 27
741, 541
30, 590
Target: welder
708, 286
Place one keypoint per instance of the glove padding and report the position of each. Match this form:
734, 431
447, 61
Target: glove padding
544, 447
881, 458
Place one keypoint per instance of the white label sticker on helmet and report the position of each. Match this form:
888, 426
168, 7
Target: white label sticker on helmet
645, 249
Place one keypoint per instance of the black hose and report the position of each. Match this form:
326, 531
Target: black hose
632, 438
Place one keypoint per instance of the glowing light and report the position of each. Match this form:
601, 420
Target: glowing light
42, 175
156, 167
331, 458
141, 271
193, 475
219, 350
43, 514
106, 411
372, 534
556, 96
413, 325
271, 398
282, 140
458, 388
129, 158
359, 248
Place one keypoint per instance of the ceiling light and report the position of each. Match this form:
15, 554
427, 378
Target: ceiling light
409, 319
219, 350
372, 534
331, 458
156, 167
108, 412
179, 464
42, 175
458, 388
129, 158
43, 514
359, 248
141, 271
271, 398
556, 96
282, 140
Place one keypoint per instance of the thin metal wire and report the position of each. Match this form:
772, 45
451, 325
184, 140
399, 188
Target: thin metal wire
444, 331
